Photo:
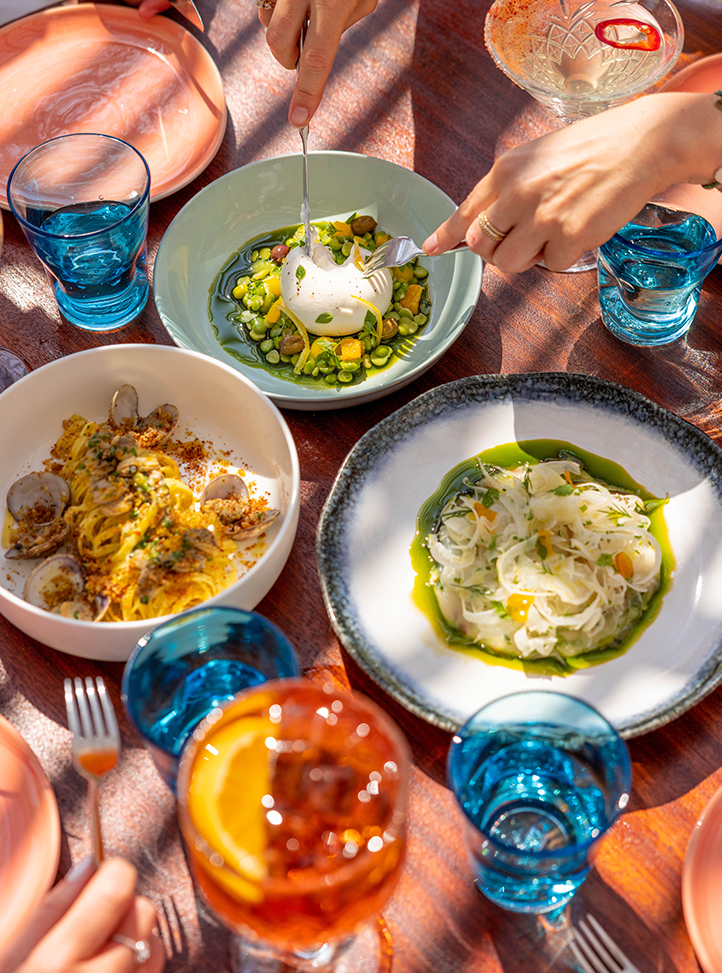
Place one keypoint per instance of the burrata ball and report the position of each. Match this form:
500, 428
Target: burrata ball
322, 294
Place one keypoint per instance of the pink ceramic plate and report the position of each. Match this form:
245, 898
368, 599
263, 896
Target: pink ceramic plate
29, 833
100, 68
702, 887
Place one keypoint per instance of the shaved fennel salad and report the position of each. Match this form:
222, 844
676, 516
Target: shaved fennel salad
540, 560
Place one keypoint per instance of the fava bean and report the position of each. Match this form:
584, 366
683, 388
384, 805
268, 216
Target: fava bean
266, 345
273, 358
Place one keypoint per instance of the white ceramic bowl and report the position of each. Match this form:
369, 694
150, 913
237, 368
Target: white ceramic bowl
267, 195
215, 402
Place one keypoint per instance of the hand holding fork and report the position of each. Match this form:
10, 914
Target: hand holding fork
96, 742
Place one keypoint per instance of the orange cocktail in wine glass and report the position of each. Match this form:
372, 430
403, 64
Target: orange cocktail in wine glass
292, 805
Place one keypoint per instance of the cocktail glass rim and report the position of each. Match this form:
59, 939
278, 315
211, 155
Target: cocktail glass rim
624, 94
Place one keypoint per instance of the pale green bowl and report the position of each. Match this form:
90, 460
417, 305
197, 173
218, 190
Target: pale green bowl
267, 195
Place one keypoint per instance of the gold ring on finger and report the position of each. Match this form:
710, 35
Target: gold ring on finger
488, 228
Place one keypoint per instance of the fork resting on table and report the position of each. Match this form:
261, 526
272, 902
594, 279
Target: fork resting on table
596, 952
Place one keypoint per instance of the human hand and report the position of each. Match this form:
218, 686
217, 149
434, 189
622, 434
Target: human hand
148, 8
328, 19
570, 191
73, 929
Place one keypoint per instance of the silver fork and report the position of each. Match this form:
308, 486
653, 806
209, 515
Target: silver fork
596, 951
96, 742
396, 252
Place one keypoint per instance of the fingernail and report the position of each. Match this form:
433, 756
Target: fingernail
431, 245
299, 117
80, 870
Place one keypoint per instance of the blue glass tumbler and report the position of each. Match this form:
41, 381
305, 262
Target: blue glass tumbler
186, 667
82, 201
540, 777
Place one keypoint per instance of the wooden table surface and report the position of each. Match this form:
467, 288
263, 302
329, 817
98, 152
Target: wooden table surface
412, 84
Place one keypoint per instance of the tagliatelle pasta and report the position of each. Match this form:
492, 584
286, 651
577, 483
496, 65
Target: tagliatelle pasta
136, 528
541, 560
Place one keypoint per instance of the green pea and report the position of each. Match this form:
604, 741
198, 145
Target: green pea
266, 345
273, 358
397, 306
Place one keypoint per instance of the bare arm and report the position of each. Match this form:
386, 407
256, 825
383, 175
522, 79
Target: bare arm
570, 191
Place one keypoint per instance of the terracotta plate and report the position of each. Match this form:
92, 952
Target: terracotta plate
99, 68
29, 833
702, 886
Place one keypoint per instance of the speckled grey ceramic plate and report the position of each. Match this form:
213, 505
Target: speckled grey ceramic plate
369, 521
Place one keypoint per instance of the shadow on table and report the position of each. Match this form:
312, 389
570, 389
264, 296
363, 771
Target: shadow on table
525, 943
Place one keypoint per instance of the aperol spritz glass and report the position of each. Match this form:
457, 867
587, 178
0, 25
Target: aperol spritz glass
292, 803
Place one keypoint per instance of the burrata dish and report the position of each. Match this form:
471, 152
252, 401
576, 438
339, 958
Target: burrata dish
313, 317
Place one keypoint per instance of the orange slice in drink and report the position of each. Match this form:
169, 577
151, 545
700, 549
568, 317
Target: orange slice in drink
230, 777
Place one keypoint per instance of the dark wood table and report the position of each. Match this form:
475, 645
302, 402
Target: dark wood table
412, 84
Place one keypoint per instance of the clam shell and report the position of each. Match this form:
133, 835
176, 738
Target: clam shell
57, 579
39, 498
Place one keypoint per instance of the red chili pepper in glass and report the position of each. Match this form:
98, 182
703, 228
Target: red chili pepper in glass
645, 36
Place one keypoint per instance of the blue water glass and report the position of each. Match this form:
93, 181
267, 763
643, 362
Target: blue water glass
651, 273
540, 777
188, 666
82, 201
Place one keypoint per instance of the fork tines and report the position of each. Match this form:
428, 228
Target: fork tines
596, 952
91, 715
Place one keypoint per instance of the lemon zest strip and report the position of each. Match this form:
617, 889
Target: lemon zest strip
379, 319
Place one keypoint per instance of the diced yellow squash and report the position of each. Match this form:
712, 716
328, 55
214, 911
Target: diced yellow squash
412, 297
350, 349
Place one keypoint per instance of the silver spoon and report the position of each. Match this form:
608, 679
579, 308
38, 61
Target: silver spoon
305, 209
396, 252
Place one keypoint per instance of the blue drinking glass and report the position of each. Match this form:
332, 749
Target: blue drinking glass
82, 201
651, 273
186, 667
540, 777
